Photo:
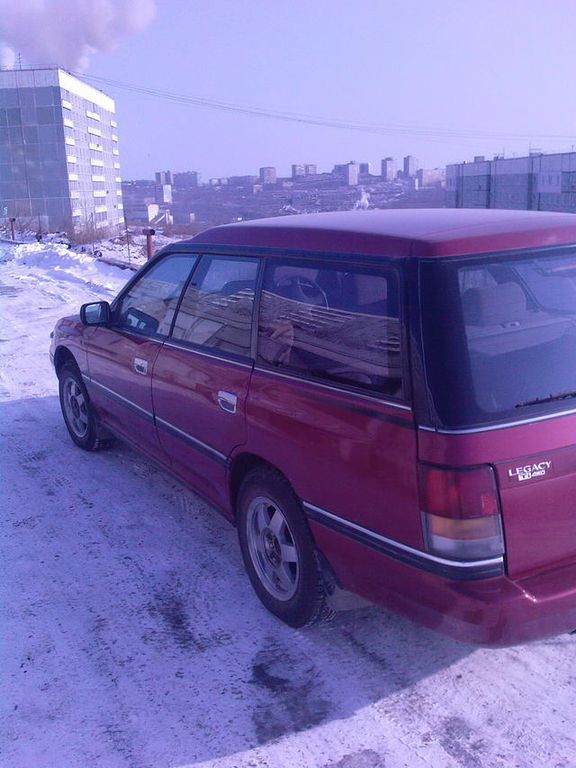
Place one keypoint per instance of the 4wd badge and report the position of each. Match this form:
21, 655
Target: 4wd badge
530, 471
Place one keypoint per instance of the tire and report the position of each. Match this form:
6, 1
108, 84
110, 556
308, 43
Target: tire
278, 550
77, 410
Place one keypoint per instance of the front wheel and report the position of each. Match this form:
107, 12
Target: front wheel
78, 412
278, 550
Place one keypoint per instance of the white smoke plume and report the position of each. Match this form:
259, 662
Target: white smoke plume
66, 33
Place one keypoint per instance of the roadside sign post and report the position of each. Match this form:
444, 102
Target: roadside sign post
12, 220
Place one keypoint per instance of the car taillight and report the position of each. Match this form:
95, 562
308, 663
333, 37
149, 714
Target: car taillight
461, 512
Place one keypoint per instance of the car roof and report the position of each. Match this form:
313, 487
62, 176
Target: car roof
401, 232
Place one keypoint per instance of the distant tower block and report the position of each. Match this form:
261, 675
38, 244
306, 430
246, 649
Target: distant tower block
388, 169
410, 166
268, 174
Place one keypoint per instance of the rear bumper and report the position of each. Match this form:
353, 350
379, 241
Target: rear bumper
493, 612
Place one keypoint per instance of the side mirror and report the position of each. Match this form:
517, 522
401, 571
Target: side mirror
96, 313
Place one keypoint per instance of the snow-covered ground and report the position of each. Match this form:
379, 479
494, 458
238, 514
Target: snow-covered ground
130, 637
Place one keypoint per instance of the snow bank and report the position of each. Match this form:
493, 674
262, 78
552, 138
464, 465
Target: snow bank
57, 262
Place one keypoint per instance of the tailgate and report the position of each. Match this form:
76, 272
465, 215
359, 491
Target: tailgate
538, 495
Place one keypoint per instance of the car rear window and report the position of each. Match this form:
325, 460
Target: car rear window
500, 335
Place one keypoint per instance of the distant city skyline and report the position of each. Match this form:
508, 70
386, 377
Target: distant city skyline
448, 80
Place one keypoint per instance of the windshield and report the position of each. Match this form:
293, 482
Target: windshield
500, 336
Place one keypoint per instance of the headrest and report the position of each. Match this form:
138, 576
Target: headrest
363, 290
496, 305
288, 272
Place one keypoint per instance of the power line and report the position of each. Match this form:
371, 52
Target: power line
391, 129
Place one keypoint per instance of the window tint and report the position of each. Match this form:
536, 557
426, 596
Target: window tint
216, 310
149, 305
335, 323
500, 335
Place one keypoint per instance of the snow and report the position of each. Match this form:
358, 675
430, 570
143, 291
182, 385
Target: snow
131, 637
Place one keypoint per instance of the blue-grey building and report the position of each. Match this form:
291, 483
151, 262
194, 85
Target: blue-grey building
59, 157
539, 182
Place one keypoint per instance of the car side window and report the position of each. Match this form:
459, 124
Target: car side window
216, 310
148, 306
334, 323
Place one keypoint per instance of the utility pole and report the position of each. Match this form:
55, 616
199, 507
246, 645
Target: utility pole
148, 231
12, 220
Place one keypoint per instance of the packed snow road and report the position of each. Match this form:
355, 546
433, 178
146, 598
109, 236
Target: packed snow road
131, 637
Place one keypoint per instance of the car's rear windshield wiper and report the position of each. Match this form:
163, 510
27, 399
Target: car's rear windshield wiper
547, 399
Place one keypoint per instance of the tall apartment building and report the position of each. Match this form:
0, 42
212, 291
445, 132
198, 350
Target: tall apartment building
186, 179
388, 169
410, 166
59, 158
536, 182
268, 174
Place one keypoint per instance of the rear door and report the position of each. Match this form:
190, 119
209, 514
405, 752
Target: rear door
121, 357
202, 373
328, 402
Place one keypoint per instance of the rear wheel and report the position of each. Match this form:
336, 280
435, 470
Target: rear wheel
278, 550
78, 412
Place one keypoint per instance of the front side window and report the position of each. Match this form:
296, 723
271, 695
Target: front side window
149, 304
216, 310
335, 323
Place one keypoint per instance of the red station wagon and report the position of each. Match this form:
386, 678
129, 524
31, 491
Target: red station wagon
382, 401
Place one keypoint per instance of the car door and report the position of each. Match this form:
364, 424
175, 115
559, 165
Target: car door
202, 373
121, 356
328, 403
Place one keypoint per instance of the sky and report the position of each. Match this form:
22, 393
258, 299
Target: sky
443, 80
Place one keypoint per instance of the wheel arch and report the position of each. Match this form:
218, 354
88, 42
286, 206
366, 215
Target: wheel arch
246, 462
240, 466
63, 355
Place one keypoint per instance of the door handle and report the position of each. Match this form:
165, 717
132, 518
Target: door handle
227, 401
141, 366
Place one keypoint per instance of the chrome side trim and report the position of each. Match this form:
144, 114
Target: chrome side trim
207, 450
454, 569
195, 351
504, 425
193, 441
115, 396
370, 398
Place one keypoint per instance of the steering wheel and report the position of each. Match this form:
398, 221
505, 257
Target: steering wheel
304, 289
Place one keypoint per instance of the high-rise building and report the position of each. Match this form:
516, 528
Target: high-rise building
410, 166
59, 158
164, 177
364, 168
297, 170
186, 179
349, 172
310, 169
268, 174
388, 169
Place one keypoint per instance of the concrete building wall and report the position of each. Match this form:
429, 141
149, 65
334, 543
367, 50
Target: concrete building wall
59, 157
536, 182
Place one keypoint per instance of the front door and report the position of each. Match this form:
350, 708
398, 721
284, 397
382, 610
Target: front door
121, 356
